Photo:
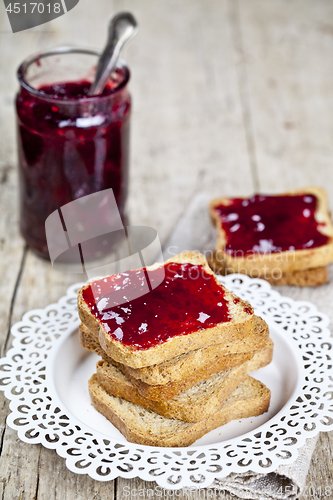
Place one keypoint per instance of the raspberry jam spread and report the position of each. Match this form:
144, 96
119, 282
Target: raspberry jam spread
268, 224
70, 145
188, 299
73, 90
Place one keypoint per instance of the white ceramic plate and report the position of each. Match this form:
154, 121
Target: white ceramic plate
45, 376
77, 366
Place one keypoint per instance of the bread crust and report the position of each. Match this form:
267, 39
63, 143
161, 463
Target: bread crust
146, 427
194, 404
172, 389
305, 277
240, 326
258, 265
165, 380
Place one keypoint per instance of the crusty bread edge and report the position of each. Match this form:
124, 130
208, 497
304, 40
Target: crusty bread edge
202, 364
117, 384
301, 278
238, 409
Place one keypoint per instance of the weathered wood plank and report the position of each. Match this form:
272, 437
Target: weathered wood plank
286, 50
287, 75
211, 113
11, 244
14, 455
186, 103
187, 128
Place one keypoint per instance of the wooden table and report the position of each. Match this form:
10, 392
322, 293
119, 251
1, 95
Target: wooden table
230, 97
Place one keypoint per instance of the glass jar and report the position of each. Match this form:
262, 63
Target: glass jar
69, 144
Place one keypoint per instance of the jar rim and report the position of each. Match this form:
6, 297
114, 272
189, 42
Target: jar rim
66, 50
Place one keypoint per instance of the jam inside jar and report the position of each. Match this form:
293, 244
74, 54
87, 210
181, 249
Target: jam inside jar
70, 145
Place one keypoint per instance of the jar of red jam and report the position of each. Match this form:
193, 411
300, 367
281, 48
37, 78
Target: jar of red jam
69, 144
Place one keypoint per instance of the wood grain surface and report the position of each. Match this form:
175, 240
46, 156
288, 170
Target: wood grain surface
229, 97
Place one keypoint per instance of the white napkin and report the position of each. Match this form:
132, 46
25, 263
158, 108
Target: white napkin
286, 483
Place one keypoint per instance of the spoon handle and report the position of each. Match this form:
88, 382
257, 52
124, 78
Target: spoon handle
122, 28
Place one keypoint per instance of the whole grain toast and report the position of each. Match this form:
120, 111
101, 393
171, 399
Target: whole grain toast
175, 375
264, 265
146, 427
240, 326
194, 404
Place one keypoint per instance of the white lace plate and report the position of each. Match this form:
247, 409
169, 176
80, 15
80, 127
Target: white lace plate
46, 371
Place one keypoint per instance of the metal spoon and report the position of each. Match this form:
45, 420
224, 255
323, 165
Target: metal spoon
122, 28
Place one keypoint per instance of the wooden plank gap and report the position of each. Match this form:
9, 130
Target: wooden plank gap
241, 72
12, 302
37, 481
3, 488
2, 437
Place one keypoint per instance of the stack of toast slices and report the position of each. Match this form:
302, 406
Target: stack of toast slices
298, 217
173, 391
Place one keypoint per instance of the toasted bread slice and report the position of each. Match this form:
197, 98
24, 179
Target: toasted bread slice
307, 277
266, 265
167, 379
239, 324
146, 427
194, 404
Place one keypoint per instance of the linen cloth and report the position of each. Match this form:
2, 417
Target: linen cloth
286, 483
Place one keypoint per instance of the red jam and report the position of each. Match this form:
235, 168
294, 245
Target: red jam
73, 90
188, 299
70, 145
268, 224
